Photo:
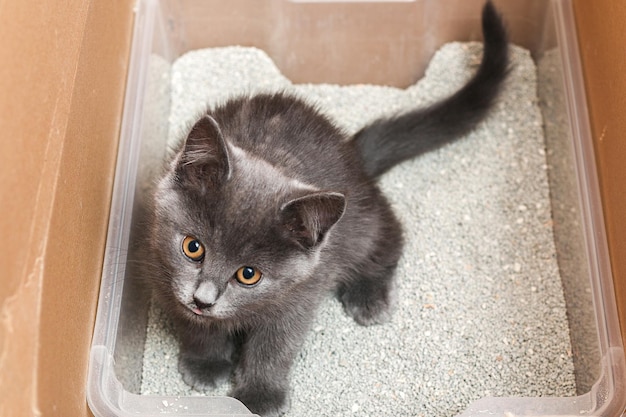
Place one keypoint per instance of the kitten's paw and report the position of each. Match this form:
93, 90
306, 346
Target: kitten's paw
202, 375
266, 402
368, 304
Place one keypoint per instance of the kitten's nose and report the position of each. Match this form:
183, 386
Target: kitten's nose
205, 295
202, 304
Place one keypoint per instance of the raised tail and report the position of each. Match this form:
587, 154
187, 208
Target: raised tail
387, 142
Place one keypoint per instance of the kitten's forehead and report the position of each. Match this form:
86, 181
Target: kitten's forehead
258, 176
244, 205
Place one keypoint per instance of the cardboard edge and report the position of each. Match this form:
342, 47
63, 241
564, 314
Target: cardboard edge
601, 39
62, 109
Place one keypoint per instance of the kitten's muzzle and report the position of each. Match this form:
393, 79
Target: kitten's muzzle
201, 305
205, 297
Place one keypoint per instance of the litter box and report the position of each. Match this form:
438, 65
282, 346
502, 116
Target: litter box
374, 42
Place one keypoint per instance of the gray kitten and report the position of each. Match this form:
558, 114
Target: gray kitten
267, 207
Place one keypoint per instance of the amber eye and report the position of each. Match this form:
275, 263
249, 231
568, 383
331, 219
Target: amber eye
193, 249
247, 275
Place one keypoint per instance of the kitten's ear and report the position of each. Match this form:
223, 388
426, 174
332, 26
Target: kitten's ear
203, 162
308, 219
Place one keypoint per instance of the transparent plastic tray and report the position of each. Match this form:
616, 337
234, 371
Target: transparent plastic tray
170, 28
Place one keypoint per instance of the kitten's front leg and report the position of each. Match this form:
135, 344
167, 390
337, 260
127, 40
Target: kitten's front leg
206, 357
262, 375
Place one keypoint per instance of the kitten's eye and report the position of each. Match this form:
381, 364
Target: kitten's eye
247, 275
193, 249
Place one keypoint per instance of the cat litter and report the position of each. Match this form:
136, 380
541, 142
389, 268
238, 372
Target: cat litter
480, 308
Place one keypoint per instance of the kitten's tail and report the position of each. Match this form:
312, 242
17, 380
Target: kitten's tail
387, 142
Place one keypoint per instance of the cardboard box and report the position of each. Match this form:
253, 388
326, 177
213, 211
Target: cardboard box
62, 82
62, 79
600, 38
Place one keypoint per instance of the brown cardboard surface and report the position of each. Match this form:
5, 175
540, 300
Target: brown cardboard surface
602, 39
62, 83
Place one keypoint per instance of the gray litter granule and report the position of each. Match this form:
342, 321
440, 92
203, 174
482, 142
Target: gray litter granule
480, 307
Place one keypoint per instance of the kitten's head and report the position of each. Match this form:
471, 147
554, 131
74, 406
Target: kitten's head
231, 233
